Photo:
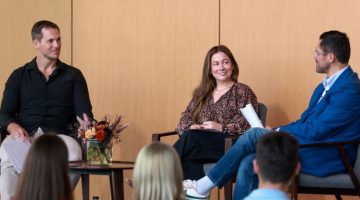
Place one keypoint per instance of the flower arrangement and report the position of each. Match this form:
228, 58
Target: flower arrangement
100, 137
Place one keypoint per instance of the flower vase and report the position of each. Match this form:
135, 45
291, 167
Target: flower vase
99, 153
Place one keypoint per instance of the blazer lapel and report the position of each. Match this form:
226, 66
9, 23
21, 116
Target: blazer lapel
314, 104
313, 101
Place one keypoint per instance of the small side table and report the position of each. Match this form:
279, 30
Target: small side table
114, 171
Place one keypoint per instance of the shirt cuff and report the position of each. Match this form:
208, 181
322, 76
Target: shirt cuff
277, 129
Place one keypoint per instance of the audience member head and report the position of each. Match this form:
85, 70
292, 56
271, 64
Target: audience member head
157, 173
36, 31
208, 82
337, 43
276, 158
45, 174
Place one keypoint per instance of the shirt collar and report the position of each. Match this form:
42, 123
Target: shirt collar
329, 81
267, 192
32, 65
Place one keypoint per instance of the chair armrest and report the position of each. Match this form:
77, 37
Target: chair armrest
157, 136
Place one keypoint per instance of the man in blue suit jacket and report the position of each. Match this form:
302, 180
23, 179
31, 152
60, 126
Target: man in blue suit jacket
333, 115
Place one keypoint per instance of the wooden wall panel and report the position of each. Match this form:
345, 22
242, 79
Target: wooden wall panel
142, 59
274, 42
16, 20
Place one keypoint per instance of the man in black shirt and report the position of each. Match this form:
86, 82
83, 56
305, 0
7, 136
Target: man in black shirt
45, 95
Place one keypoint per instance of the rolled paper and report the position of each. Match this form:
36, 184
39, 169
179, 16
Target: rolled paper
250, 115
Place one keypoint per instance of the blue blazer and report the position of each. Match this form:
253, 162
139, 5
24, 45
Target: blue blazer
335, 118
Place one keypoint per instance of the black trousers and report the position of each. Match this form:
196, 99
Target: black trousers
197, 147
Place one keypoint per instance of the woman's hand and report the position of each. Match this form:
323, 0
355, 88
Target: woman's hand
196, 126
212, 125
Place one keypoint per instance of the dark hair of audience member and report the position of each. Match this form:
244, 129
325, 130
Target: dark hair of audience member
277, 157
45, 174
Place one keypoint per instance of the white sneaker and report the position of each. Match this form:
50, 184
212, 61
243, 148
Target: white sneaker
191, 193
189, 184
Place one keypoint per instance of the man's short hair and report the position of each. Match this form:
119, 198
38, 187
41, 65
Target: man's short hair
337, 43
277, 157
38, 26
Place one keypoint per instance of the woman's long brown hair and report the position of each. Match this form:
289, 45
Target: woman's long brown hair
45, 175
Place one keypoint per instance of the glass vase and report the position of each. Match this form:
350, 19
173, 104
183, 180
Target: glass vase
99, 153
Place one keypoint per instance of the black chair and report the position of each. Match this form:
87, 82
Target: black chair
337, 184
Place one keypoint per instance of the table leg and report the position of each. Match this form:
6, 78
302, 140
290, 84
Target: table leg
117, 185
85, 186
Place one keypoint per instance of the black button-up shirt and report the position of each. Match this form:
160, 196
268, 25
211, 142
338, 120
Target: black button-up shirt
32, 101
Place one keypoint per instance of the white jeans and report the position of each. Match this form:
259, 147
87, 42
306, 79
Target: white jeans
9, 176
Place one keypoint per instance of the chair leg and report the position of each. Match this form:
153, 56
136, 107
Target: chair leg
294, 193
219, 193
228, 190
338, 197
85, 186
294, 187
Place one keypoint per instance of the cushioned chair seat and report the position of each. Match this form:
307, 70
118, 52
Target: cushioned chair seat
334, 181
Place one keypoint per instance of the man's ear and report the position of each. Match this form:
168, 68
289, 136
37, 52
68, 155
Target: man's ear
36, 43
256, 167
331, 57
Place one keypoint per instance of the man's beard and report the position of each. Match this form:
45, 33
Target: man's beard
322, 70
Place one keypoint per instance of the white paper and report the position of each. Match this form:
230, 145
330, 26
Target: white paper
16, 150
250, 115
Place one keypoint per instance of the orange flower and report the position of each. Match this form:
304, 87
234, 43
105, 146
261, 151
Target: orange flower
100, 126
100, 135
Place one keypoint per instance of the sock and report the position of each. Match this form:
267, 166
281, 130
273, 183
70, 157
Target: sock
204, 185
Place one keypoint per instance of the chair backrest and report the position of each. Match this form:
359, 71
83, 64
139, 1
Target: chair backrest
262, 113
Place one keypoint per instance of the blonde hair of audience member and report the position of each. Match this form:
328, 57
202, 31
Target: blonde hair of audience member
45, 174
157, 173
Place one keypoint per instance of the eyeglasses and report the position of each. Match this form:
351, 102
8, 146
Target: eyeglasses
318, 53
